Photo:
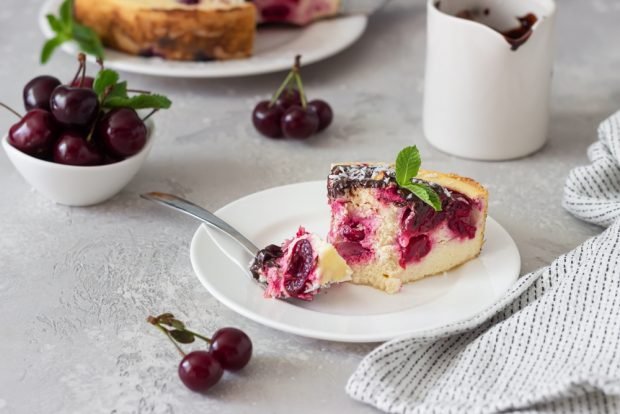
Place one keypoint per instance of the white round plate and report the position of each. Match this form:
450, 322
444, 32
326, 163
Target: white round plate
345, 312
274, 49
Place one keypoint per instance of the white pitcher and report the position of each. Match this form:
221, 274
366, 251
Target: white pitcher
482, 99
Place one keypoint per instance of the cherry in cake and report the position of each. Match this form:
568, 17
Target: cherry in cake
390, 236
297, 12
300, 267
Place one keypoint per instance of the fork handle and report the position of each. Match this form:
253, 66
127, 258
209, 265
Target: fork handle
203, 215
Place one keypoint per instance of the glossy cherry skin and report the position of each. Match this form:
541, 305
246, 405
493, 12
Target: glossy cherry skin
288, 98
121, 132
199, 371
232, 348
88, 82
76, 107
35, 133
72, 149
38, 91
299, 123
324, 112
267, 119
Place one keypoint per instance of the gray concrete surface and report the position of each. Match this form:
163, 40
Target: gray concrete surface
77, 283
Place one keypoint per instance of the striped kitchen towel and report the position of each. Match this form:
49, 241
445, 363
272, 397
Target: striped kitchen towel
551, 345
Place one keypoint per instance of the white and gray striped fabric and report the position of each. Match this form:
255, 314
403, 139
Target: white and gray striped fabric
552, 344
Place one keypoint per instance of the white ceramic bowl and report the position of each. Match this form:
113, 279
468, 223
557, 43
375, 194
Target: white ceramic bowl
75, 185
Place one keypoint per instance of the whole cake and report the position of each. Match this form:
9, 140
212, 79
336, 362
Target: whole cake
389, 236
300, 267
196, 30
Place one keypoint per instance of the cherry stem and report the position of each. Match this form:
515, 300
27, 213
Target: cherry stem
300, 86
204, 338
105, 94
284, 84
150, 114
100, 63
11, 110
82, 60
153, 321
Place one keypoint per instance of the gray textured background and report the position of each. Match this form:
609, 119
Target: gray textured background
77, 283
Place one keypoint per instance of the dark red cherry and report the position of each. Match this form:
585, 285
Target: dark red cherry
35, 133
267, 118
76, 107
288, 98
200, 370
87, 83
323, 111
232, 348
300, 266
38, 91
121, 132
73, 149
299, 123
350, 249
418, 247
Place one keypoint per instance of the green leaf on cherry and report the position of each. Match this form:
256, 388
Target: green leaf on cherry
143, 101
177, 324
182, 337
105, 78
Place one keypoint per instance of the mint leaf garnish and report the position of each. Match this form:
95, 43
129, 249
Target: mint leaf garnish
426, 194
144, 101
407, 167
66, 29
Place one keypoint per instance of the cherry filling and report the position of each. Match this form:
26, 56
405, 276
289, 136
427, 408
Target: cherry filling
300, 266
418, 247
420, 219
276, 13
352, 232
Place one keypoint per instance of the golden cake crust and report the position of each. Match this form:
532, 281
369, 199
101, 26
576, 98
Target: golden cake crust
173, 32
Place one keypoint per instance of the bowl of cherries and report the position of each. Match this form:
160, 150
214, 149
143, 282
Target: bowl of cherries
80, 143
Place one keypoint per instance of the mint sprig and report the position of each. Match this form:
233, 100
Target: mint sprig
407, 167
114, 94
66, 29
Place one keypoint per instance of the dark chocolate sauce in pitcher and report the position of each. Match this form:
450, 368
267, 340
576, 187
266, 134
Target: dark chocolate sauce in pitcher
516, 36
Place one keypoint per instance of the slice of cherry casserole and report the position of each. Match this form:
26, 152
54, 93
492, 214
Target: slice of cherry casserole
389, 236
300, 267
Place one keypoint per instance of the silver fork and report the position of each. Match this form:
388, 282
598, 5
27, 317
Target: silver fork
210, 219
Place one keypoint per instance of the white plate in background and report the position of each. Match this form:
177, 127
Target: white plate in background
274, 50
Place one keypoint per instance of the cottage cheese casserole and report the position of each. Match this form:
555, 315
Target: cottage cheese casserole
388, 236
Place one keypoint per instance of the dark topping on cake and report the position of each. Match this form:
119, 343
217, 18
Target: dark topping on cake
266, 257
345, 177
